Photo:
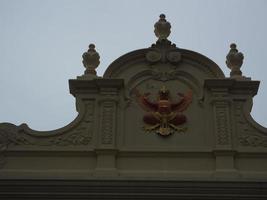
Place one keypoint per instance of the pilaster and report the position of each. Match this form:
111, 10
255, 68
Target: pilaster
108, 100
219, 97
106, 93
222, 94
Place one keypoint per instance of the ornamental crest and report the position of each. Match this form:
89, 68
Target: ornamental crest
164, 116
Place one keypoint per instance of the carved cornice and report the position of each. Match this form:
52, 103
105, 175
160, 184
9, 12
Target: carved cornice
233, 86
94, 86
132, 189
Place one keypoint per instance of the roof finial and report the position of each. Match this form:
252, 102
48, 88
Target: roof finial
91, 60
234, 61
162, 28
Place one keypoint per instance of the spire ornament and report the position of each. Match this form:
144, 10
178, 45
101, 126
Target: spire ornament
162, 28
234, 61
164, 50
91, 60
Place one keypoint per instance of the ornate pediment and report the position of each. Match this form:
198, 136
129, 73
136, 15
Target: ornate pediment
160, 112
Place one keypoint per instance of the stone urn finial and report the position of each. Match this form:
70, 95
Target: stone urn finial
234, 61
162, 28
91, 60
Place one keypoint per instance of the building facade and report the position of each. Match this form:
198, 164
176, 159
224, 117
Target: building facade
162, 123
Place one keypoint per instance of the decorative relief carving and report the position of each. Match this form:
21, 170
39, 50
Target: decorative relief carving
253, 140
164, 116
88, 123
73, 139
219, 96
3, 147
108, 112
19, 135
163, 51
164, 76
247, 136
222, 123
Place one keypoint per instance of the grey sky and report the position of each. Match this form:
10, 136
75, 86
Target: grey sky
41, 43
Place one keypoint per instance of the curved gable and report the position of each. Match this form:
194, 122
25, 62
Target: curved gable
159, 113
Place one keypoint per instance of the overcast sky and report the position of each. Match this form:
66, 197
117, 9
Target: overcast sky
41, 43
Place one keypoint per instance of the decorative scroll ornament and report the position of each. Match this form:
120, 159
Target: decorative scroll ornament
91, 60
163, 51
16, 135
248, 135
234, 61
253, 140
164, 117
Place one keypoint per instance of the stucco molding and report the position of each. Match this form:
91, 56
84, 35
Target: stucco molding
134, 189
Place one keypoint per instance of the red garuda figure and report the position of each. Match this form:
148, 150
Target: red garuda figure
164, 116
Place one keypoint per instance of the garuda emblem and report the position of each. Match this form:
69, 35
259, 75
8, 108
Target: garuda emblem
164, 116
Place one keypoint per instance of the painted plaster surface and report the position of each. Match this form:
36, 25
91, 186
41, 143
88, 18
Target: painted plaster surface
209, 136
